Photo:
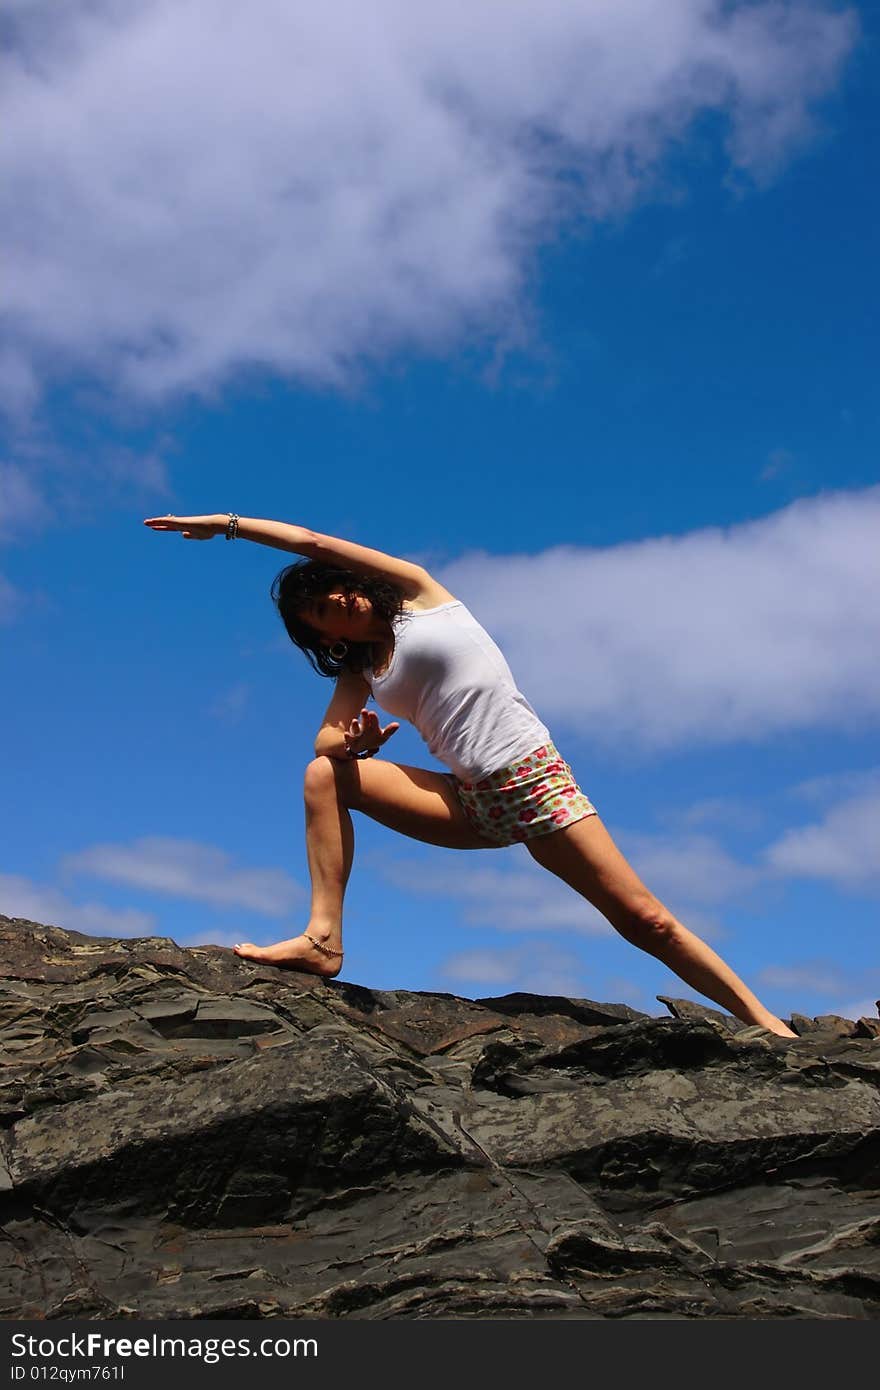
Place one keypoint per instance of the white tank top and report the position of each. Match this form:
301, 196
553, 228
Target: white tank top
449, 679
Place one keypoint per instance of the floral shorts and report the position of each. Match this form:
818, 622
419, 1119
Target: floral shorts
533, 796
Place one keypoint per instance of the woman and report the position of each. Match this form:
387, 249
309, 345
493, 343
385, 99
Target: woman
383, 626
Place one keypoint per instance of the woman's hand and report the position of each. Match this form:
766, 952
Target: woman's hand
192, 528
364, 735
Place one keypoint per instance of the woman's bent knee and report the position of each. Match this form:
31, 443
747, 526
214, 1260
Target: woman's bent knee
320, 778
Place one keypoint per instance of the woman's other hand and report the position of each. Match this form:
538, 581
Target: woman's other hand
364, 734
192, 528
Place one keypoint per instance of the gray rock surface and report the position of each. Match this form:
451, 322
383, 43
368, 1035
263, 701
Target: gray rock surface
186, 1135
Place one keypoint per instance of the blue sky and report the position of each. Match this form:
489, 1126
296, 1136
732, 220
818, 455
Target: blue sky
579, 311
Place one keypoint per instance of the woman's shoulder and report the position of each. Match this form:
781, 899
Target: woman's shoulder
430, 594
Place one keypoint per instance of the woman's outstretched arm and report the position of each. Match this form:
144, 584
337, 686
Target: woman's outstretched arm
283, 535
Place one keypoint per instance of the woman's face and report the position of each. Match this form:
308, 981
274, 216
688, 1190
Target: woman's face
339, 616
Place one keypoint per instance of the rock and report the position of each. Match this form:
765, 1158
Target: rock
584, 1011
803, 1025
687, 1008
833, 1023
189, 1135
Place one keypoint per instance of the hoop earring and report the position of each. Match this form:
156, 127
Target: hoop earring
339, 651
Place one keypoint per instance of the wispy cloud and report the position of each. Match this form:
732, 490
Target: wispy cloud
22, 505
229, 706
858, 1008
726, 812
692, 874
188, 869
816, 976
23, 510
12, 601
45, 485
673, 254
19, 385
194, 186
838, 992
778, 463
837, 786
36, 902
517, 968
843, 847
721, 635
508, 898
689, 868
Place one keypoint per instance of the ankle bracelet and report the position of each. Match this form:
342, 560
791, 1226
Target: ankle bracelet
325, 950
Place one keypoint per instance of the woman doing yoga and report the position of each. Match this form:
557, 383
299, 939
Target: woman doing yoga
384, 627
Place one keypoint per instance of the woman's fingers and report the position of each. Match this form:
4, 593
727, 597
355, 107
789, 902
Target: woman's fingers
366, 726
193, 528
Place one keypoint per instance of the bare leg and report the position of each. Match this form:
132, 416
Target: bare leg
413, 801
330, 851
585, 856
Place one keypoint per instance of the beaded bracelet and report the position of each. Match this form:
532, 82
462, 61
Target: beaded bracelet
231, 526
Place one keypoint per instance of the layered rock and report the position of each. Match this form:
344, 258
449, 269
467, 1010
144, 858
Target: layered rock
185, 1134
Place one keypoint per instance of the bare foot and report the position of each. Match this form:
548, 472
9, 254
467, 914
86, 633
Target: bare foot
296, 954
780, 1029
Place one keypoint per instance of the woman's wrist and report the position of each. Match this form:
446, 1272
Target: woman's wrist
362, 753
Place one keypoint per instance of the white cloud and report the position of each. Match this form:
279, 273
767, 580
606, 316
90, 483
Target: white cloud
727, 812
779, 461
690, 868
22, 507
229, 706
692, 874
198, 185
621, 989
508, 899
212, 936
125, 473
47, 486
83, 483
19, 386
860, 1008
816, 976
12, 601
22, 510
721, 635
187, 869
36, 902
840, 989
833, 786
519, 968
844, 847
47, 482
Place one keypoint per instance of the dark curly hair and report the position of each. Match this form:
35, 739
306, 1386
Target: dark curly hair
305, 580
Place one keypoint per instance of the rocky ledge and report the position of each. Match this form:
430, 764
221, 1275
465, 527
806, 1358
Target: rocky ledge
186, 1135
